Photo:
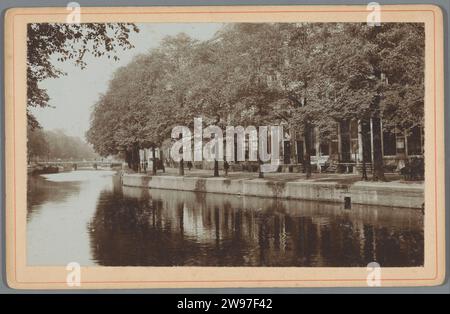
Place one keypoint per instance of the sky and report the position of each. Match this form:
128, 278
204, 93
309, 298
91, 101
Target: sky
72, 96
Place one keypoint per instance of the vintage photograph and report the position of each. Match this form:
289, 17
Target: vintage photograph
225, 144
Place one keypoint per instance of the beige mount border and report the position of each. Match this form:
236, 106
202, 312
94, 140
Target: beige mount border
21, 276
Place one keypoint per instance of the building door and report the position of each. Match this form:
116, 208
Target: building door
300, 152
287, 152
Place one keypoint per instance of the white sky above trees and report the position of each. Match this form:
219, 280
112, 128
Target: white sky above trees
73, 95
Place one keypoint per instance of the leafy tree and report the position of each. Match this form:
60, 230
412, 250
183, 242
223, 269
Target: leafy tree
144, 100
122, 118
350, 84
302, 81
179, 55
252, 57
37, 145
54, 145
401, 50
47, 42
374, 73
301, 75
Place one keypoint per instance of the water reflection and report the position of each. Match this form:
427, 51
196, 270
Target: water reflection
39, 192
59, 208
159, 227
139, 227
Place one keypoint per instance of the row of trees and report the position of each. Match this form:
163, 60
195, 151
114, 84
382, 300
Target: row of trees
301, 75
53, 145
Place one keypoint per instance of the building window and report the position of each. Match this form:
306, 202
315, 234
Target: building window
389, 144
324, 149
400, 143
354, 129
354, 140
415, 141
334, 147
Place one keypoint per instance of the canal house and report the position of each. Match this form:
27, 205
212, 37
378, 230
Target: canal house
352, 144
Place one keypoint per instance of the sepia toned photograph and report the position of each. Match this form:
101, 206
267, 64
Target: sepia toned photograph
221, 144
104, 189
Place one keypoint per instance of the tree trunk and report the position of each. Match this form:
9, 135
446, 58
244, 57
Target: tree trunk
364, 170
378, 167
260, 173
181, 168
133, 158
308, 137
364, 149
307, 156
154, 160
129, 159
216, 168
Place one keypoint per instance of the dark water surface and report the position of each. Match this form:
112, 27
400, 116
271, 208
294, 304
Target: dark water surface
89, 218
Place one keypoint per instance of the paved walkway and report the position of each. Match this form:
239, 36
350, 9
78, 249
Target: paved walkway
393, 179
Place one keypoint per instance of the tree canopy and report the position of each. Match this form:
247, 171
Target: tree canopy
54, 145
64, 42
298, 74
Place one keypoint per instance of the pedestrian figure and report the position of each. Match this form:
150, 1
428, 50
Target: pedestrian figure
189, 164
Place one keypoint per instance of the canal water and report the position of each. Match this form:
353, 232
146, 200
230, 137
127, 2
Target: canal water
89, 218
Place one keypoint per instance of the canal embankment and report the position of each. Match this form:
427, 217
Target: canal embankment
392, 194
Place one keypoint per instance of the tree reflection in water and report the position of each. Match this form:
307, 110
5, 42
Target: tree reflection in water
40, 190
139, 227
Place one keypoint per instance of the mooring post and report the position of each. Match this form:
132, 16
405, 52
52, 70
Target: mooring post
347, 202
